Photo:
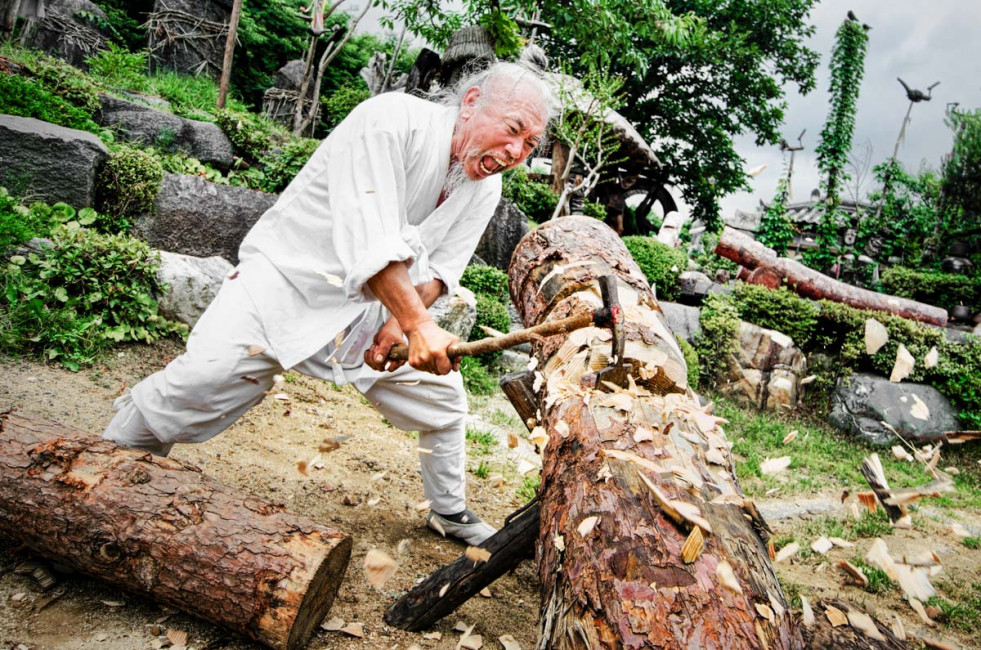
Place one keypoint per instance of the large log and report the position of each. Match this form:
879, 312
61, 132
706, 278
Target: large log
629, 476
160, 528
770, 270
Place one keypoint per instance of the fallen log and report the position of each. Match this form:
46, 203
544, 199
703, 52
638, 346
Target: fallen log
769, 270
160, 528
646, 539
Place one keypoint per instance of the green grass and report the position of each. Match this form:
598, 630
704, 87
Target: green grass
879, 582
962, 608
482, 441
482, 470
503, 419
529, 487
973, 543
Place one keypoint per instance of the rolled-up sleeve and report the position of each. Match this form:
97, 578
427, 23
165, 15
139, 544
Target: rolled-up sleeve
366, 180
450, 258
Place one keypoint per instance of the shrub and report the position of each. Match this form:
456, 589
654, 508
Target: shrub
71, 301
490, 313
63, 80
476, 379
19, 224
488, 280
944, 290
29, 98
283, 165
118, 68
252, 135
780, 310
536, 200
660, 263
718, 339
341, 102
691, 360
595, 210
129, 182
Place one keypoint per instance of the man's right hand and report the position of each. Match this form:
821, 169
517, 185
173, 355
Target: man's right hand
427, 349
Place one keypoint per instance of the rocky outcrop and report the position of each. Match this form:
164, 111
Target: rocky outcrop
767, 370
49, 163
457, 313
681, 319
862, 403
145, 125
504, 231
192, 283
72, 30
195, 217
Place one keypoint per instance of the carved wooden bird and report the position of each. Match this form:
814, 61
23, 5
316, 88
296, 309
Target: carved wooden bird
915, 95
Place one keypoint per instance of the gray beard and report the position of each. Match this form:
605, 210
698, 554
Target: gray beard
456, 177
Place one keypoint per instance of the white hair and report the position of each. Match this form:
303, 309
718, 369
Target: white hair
511, 74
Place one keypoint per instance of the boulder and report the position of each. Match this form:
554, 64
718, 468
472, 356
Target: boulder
195, 217
48, 162
174, 21
290, 76
192, 283
767, 369
862, 402
504, 231
457, 313
146, 125
681, 319
695, 285
72, 30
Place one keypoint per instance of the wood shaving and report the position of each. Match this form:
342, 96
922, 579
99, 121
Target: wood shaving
586, 525
433, 636
878, 556
856, 574
868, 500
444, 588
379, 567
423, 505
716, 457
403, 546
438, 527
835, 616
539, 438
331, 279
765, 612
897, 627
693, 546
919, 410
931, 358
790, 437
301, 467
476, 554
681, 512
255, 350
377, 477
471, 642
774, 466
333, 625
423, 450
901, 454
727, 577
485, 593
508, 642
864, 623
354, 629
559, 542
920, 611
787, 552
904, 364
807, 614
562, 428
643, 435
822, 545
840, 543
876, 335
462, 627
178, 638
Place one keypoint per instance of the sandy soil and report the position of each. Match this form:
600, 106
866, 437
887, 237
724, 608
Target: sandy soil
259, 455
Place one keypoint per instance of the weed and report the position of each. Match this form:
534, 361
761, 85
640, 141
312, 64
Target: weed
483, 470
872, 524
529, 487
879, 582
973, 543
484, 441
963, 609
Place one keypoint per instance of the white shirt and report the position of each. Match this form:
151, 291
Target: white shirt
367, 197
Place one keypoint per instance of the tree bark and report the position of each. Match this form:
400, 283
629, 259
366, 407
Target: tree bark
226, 65
769, 268
160, 528
629, 476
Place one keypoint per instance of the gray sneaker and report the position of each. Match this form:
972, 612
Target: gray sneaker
471, 531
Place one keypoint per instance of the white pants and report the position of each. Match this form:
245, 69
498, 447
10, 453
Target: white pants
202, 392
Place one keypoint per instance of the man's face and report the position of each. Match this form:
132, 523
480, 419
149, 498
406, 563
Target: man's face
497, 131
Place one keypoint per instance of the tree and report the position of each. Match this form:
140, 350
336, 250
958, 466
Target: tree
960, 203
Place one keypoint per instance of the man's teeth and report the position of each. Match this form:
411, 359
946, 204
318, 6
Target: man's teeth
500, 165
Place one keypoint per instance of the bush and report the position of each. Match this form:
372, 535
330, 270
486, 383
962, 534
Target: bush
476, 379
129, 183
780, 310
19, 224
63, 80
691, 360
718, 339
659, 262
75, 299
341, 102
283, 166
595, 210
490, 313
118, 68
29, 98
536, 200
488, 280
252, 135
944, 290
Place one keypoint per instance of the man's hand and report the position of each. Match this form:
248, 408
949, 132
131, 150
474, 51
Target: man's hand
427, 349
390, 334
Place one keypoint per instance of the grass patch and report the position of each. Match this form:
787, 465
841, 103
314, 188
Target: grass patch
872, 524
482, 441
529, 487
482, 470
503, 419
879, 582
962, 610
973, 543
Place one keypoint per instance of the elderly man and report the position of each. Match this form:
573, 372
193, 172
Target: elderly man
379, 223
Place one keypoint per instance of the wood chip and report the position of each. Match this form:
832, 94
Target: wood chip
643, 435
931, 358
423, 450
508, 642
423, 505
476, 554
562, 428
918, 608
790, 437
774, 466
301, 467
433, 636
876, 335
485, 593
462, 627
864, 623
904, 364
897, 627
693, 546
923, 558
841, 543
114, 603
919, 410
587, 525
959, 530
856, 574
512, 440
787, 552
559, 542
937, 644
901, 454
822, 545
471, 642
835, 616
878, 556
354, 629
727, 577
377, 477
868, 500
379, 567
178, 638
256, 350
765, 612
333, 625
807, 614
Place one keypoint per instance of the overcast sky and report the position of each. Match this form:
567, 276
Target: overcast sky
920, 41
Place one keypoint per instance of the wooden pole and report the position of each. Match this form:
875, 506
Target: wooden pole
226, 66
160, 528
646, 539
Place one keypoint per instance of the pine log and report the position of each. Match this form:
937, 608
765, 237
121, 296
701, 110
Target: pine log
630, 475
768, 269
161, 529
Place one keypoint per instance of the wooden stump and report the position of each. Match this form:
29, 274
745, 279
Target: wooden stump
160, 528
633, 479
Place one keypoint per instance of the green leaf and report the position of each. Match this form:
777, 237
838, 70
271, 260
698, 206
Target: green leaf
61, 294
87, 216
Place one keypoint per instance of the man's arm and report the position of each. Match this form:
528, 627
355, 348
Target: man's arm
408, 305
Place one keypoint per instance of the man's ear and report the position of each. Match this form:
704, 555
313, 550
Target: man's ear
471, 99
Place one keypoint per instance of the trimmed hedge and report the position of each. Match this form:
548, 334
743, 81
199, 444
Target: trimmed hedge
660, 263
944, 290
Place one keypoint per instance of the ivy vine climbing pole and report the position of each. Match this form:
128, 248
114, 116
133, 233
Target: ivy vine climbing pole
847, 67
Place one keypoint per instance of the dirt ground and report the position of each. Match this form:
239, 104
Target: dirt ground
376, 468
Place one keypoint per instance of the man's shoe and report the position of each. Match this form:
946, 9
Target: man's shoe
471, 530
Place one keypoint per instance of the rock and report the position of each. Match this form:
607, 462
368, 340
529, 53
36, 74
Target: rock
457, 313
504, 231
148, 126
862, 402
290, 76
206, 18
767, 370
695, 285
49, 163
681, 319
195, 217
192, 283
72, 30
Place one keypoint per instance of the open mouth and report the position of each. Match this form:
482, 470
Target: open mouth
491, 165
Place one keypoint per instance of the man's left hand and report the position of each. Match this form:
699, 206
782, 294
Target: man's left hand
390, 334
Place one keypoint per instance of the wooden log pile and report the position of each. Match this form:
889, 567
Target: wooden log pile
160, 528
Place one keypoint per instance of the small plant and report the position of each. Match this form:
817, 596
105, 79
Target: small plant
19, 224
879, 582
484, 441
535, 199
483, 470
973, 543
116, 67
660, 263
529, 487
252, 135
487, 280
283, 165
779, 310
129, 182
29, 98
476, 379
718, 339
872, 524
593, 209
493, 314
